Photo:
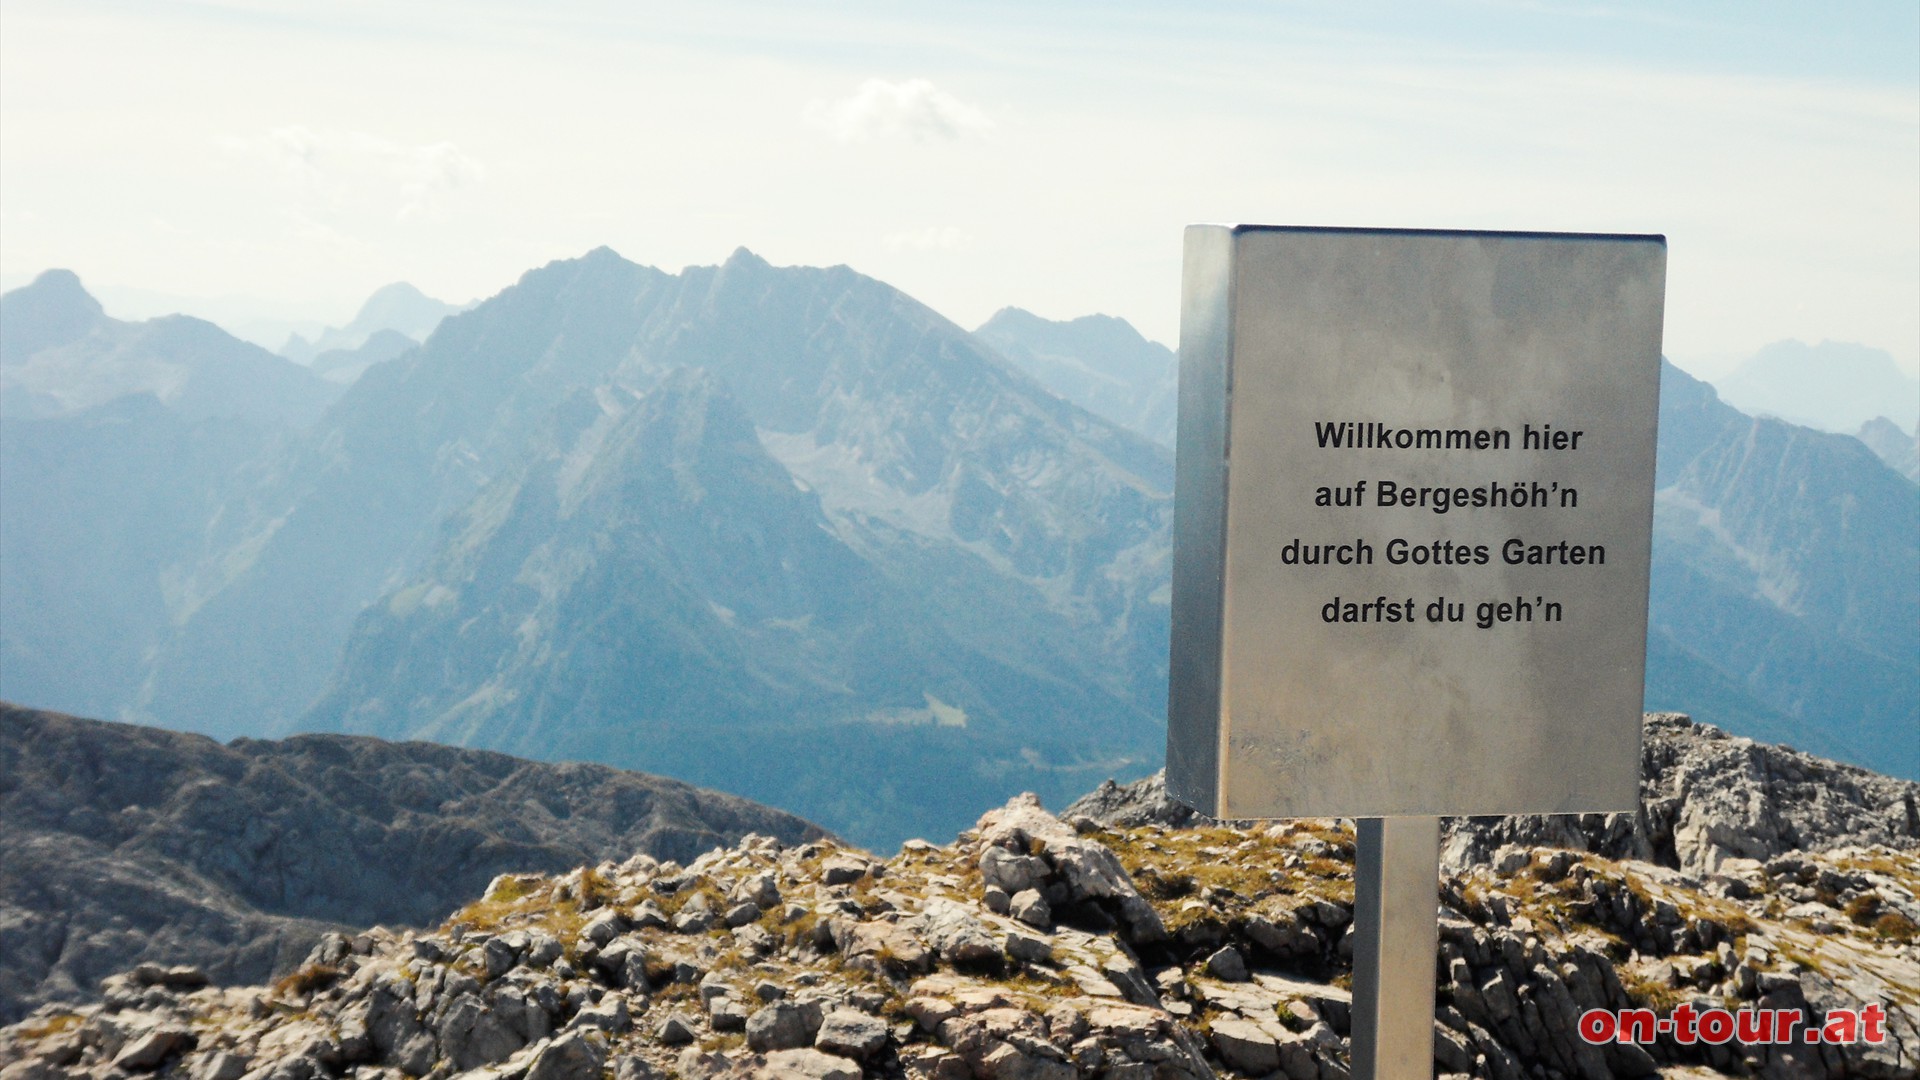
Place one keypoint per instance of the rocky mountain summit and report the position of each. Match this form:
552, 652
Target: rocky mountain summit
1709, 801
1037, 946
123, 845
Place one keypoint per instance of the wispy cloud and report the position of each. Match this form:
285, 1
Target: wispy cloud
337, 172
914, 110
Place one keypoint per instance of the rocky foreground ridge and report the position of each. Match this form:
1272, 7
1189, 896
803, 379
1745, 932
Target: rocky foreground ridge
1040, 948
122, 844
1708, 801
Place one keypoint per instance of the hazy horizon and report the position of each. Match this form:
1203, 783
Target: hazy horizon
281, 161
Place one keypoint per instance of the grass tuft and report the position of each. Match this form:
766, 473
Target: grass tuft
51, 1026
307, 980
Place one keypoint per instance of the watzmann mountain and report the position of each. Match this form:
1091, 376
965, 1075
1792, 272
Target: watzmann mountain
784, 531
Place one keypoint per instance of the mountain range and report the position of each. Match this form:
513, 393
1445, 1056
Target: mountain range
787, 532
783, 531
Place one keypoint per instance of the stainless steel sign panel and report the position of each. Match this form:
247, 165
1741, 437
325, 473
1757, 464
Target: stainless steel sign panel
1413, 518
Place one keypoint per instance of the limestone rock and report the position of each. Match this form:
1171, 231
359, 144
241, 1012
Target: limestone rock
150, 1049
1709, 798
1126, 806
1246, 1047
677, 1029
781, 1025
1227, 964
958, 935
807, 1064
573, 1056
1086, 869
1031, 908
851, 1034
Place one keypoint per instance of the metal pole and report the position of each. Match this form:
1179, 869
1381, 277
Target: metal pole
1396, 937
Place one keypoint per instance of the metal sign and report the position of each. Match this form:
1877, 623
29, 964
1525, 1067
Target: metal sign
1413, 514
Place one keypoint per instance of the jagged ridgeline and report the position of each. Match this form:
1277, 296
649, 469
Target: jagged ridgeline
784, 532
1112, 941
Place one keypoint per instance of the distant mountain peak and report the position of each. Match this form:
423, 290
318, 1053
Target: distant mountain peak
1107, 323
52, 311
64, 283
1893, 445
742, 266
400, 296
1098, 362
398, 308
1834, 386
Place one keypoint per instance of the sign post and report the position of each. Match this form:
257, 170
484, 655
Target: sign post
1412, 526
1396, 862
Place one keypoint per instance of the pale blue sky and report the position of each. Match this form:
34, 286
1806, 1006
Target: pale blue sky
290, 158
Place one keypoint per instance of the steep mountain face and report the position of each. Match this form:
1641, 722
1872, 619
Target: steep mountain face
348, 512
123, 845
1098, 362
61, 354
97, 510
662, 594
1786, 573
1037, 947
559, 540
